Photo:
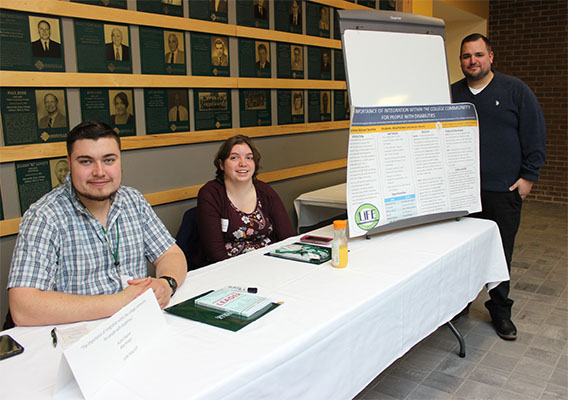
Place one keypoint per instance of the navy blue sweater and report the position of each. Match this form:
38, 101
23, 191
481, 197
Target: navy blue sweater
512, 132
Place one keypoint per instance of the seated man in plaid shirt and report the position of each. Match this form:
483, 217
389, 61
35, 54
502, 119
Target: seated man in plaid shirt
82, 248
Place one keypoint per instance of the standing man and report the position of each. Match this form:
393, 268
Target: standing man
53, 119
82, 248
512, 138
44, 46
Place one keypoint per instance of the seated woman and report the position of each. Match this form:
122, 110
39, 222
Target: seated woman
236, 212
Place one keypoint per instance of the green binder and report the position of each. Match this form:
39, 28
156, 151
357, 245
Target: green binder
188, 309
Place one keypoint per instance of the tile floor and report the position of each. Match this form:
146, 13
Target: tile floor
535, 366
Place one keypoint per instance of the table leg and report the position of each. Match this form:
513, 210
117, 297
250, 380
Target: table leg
459, 337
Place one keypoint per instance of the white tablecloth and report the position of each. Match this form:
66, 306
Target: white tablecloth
336, 331
320, 205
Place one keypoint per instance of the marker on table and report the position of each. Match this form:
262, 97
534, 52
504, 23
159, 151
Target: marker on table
54, 336
244, 289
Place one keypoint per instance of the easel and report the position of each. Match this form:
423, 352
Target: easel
394, 59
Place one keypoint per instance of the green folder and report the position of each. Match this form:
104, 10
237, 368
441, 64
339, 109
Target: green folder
302, 252
188, 309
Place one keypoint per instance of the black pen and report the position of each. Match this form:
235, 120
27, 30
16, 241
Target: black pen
54, 336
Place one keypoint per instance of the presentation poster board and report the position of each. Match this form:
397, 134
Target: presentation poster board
411, 161
319, 105
290, 59
254, 58
212, 109
34, 115
209, 10
166, 110
318, 19
413, 157
254, 13
209, 55
290, 106
167, 7
112, 106
30, 42
255, 107
104, 3
162, 51
288, 16
102, 47
319, 63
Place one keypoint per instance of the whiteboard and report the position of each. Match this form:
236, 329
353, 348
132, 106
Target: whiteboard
394, 68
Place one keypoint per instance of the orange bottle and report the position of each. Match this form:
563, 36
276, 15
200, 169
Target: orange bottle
339, 244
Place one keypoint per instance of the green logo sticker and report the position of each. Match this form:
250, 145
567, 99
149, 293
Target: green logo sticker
367, 216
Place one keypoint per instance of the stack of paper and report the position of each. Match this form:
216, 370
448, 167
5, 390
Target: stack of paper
234, 301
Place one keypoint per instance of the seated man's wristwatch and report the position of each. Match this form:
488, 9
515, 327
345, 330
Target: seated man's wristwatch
172, 282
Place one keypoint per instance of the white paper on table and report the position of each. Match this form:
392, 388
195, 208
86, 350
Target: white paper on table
97, 357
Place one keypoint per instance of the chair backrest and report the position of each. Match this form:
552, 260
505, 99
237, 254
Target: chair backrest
9, 322
187, 237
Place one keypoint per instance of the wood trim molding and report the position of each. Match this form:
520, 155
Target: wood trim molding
279, 36
131, 17
10, 226
54, 150
84, 79
303, 170
341, 4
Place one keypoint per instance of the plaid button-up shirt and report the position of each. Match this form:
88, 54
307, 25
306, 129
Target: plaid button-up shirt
62, 247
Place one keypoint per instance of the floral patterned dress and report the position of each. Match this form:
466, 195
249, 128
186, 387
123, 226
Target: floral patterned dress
251, 232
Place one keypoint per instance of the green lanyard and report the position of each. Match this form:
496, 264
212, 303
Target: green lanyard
105, 235
115, 252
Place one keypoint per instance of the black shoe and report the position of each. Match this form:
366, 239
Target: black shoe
505, 329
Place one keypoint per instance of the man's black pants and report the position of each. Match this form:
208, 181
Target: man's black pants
505, 210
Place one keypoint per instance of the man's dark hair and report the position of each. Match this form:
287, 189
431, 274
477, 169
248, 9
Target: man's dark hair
476, 36
225, 151
93, 130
